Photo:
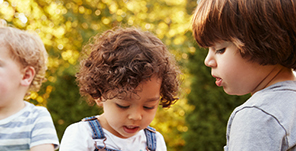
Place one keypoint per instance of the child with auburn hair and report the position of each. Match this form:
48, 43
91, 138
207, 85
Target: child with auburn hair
252, 49
129, 73
23, 126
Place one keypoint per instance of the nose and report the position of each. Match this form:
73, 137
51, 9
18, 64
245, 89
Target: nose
210, 60
135, 114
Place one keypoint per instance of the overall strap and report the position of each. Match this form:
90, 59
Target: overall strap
151, 138
100, 148
97, 132
96, 127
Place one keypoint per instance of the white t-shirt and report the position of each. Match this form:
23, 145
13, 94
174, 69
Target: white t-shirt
29, 127
78, 137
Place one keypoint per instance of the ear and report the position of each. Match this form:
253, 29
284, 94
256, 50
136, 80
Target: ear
28, 76
99, 102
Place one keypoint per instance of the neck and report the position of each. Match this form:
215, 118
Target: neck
11, 109
277, 74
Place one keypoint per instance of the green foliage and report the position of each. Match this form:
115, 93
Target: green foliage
66, 105
66, 25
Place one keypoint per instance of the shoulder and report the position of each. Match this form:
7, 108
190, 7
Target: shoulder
160, 142
151, 130
37, 115
43, 129
276, 93
277, 102
266, 115
255, 129
252, 116
34, 125
35, 111
81, 126
77, 136
30, 116
160, 139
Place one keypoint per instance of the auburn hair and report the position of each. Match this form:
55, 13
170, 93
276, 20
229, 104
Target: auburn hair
263, 30
120, 59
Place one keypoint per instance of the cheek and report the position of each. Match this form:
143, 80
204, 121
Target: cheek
114, 118
7, 83
239, 83
233, 68
111, 112
149, 116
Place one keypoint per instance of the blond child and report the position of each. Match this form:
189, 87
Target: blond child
129, 73
23, 126
252, 50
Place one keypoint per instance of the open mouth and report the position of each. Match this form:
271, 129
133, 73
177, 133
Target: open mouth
131, 129
218, 82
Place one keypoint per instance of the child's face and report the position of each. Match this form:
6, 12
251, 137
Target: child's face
236, 75
10, 77
125, 117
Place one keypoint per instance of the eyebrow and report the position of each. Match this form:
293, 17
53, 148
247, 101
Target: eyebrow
153, 99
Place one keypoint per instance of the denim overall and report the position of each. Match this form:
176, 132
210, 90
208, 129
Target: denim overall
97, 133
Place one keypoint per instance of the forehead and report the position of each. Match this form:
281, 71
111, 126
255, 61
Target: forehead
7, 56
4, 50
220, 44
147, 89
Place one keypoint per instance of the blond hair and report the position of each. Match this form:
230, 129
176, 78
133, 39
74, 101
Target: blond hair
28, 50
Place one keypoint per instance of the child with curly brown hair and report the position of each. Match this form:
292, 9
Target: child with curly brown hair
23, 126
252, 50
129, 73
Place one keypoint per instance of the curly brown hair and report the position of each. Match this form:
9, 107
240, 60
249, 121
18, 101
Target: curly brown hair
122, 58
263, 30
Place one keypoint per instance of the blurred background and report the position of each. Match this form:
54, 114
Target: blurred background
197, 122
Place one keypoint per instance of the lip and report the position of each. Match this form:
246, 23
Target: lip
131, 129
218, 81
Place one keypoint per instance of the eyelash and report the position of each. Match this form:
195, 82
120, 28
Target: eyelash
149, 108
123, 107
126, 107
220, 51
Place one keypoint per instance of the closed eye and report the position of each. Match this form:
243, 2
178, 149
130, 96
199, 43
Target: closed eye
149, 108
122, 106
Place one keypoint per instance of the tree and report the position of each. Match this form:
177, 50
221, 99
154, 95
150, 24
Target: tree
66, 25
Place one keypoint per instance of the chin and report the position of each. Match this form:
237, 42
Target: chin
234, 92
